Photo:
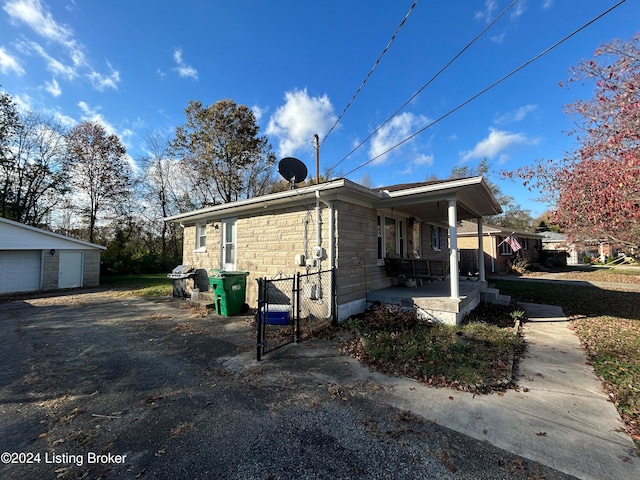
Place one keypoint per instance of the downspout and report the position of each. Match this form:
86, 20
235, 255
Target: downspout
493, 253
318, 220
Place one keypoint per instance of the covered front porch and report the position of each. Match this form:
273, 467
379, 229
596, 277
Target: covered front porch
444, 205
433, 301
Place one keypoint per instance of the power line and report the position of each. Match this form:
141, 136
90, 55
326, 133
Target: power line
447, 65
393, 37
510, 74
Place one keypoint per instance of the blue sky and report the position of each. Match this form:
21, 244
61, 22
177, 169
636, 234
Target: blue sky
134, 66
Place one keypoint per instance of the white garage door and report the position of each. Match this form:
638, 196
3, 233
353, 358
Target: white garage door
20, 270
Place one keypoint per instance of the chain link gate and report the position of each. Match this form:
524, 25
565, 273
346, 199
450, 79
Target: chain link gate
289, 305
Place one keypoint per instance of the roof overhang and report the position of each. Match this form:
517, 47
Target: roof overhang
341, 189
429, 203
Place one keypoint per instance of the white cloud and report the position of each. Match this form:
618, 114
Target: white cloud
24, 103
496, 145
486, 15
301, 116
53, 88
35, 15
423, 159
258, 112
54, 65
32, 13
518, 9
9, 63
398, 129
101, 82
499, 39
65, 120
547, 4
93, 114
516, 115
184, 70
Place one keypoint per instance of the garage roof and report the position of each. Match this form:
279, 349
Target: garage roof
18, 236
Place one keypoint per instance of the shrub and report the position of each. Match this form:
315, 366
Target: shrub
518, 265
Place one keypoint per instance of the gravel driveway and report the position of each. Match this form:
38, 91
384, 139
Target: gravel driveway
95, 385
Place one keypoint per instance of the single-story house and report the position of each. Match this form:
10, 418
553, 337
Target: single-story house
33, 259
497, 252
556, 249
339, 225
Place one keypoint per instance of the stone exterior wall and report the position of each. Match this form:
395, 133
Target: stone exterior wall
266, 244
91, 268
357, 253
50, 270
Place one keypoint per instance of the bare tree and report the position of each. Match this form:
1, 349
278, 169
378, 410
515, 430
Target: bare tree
100, 172
161, 178
32, 177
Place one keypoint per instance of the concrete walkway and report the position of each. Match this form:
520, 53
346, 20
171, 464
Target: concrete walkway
559, 417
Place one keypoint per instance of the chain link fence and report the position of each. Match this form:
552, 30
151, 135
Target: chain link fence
294, 308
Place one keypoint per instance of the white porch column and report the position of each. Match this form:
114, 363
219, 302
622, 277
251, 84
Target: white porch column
480, 252
453, 249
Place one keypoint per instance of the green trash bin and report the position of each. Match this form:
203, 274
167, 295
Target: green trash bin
229, 290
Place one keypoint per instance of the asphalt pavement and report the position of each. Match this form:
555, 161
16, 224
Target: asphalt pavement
179, 396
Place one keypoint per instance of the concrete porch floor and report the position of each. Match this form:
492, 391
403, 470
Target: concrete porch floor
433, 300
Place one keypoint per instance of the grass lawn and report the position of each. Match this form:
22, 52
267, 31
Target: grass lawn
141, 285
608, 325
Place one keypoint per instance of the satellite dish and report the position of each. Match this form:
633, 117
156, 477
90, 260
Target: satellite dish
292, 170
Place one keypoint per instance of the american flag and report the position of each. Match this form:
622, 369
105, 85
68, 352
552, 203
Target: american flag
513, 243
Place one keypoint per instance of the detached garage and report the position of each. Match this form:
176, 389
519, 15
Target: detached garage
32, 259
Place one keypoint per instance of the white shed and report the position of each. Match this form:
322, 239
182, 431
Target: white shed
33, 259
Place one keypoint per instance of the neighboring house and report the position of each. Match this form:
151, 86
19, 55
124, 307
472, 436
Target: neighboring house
337, 224
555, 246
497, 252
598, 250
32, 259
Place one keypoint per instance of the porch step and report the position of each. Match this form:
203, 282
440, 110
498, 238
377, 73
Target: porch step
493, 296
490, 295
503, 300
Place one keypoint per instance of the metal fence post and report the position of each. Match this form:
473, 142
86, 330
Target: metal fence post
334, 297
259, 319
297, 306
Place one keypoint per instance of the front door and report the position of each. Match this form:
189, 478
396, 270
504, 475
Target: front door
229, 244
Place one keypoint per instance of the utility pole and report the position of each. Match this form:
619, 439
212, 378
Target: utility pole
317, 158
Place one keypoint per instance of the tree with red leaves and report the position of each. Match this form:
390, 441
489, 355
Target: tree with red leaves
596, 188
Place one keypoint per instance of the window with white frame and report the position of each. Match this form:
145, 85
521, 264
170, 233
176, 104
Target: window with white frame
525, 243
391, 236
201, 236
438, 241
505, 248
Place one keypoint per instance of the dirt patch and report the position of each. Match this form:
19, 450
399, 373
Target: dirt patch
95, 385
